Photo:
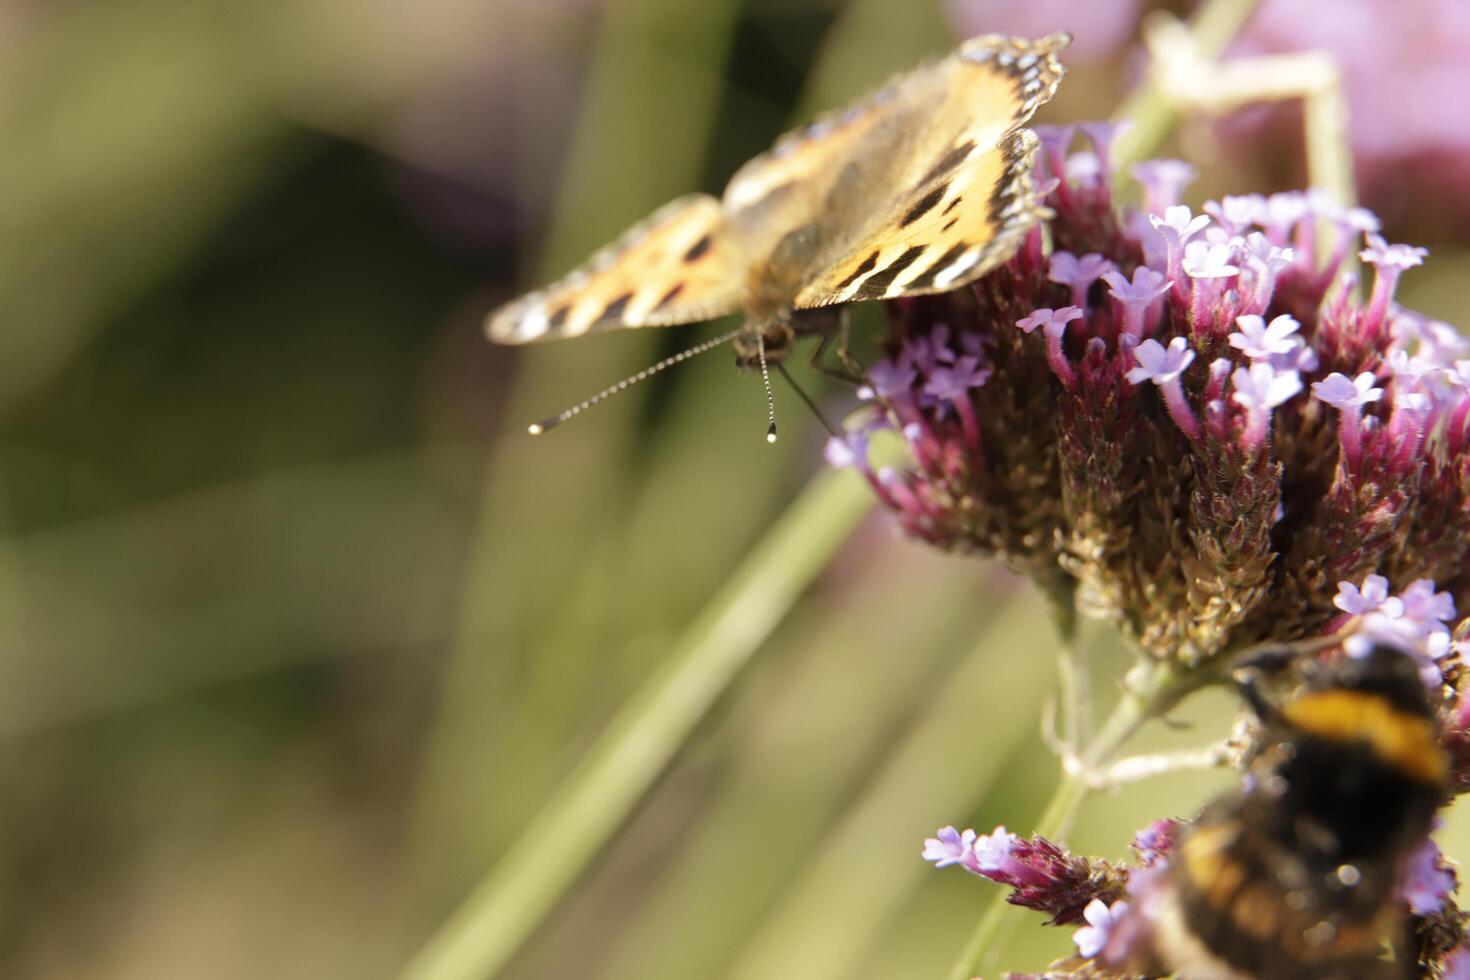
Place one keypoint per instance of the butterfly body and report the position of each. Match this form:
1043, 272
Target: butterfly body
921, 187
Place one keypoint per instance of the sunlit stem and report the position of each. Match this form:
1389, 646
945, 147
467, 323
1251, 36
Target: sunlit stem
1074, 689
1151, 689
1151, 109
1137, 768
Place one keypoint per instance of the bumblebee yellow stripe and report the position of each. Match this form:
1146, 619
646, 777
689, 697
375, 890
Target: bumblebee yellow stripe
1404, 740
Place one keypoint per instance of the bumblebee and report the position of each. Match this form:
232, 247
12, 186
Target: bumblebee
1294, 875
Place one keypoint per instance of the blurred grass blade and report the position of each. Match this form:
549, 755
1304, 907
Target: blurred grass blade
858, 880
518, 687
506, 907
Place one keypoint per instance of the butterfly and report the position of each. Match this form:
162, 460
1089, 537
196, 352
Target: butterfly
921, 187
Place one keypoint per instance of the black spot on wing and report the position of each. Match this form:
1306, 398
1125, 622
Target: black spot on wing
668, 297
879, 281
697, 250
949, 224
924, 205
926, 278
860, 271
558, 317
951, 205
614, 310
949, 161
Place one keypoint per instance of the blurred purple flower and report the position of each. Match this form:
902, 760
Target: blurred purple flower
1160, 364
1401, 134
891, 378
846, 453
1154, 842
1163, 182
1457, 964
1041, 875
1372, 597
1426, 881
1342, 392
1078, 273
1101, 920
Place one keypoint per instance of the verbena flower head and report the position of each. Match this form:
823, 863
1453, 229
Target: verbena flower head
1042, 876
1183, 419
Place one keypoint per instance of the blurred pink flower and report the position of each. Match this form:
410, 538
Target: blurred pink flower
1098, 29
1424, 47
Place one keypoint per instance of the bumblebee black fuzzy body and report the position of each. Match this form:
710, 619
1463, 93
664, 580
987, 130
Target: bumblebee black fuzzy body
1295, 874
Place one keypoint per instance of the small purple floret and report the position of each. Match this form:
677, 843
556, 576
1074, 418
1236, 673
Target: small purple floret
1160, 364
1372, 597
950, 846
1426, 882
1101, 920
1078, 273
1257, 339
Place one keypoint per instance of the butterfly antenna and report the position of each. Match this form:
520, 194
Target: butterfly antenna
760, 346
547, 424
831, 429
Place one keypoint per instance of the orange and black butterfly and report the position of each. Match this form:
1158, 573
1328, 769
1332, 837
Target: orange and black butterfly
921, 187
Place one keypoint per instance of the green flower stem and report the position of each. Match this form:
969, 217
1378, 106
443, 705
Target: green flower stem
1151, 689
503, 910
1150, 108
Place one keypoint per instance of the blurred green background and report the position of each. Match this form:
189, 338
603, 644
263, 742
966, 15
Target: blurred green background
298, 630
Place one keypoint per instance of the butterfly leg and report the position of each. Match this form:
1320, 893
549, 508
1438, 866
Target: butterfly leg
831, 325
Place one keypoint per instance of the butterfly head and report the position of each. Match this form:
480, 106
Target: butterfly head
771, 336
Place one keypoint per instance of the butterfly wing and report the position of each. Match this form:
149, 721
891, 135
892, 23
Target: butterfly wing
679, 265
964, 192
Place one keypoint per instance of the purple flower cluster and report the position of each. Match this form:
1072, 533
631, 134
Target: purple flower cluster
1415, 621
1041, 875
1120, 905
1188, 423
